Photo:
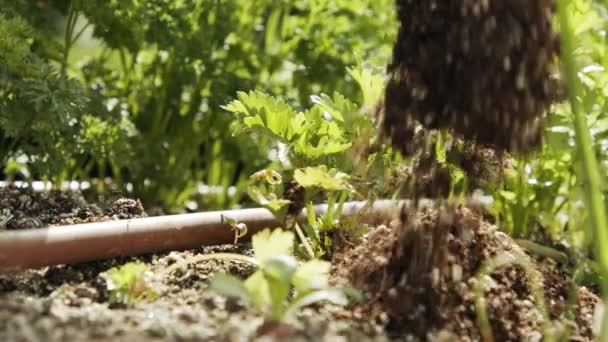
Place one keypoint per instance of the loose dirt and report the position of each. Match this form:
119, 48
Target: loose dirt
70, 302
487, 70
419, 273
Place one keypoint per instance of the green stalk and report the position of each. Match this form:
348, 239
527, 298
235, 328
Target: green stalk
589, 171
68, 41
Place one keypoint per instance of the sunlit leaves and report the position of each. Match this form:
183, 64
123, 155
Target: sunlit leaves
321, 177
312, 275
130, 283
266, 244
309, 134
270, 288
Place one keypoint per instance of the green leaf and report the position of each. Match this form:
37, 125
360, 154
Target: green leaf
229, 286
372, 85
273, 31
267, 244
321, 177
508, 195
258, 289
280, 267
327, 105
312, 275
271, 176
264, 113
273, 204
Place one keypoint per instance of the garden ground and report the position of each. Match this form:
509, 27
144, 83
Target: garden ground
417, 270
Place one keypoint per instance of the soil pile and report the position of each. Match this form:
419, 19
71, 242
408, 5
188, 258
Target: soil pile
419, 274
485, 69
23, 209
71, 302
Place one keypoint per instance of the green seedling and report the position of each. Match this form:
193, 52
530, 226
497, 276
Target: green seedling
337, 186
267, 191
130, 283
239, 228
271, 176
281, 285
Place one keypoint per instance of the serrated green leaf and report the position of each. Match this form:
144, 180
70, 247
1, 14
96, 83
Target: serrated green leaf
267, 244
312, 275
264, 113
321, 177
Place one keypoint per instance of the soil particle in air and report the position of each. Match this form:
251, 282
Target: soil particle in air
484, 69
419, 273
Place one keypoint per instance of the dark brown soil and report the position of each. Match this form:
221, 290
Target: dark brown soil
484, 69
419, 273
24, 208
71, 302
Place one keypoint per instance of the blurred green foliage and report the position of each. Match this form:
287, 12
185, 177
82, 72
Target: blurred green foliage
50, 120
142, 102
546, 194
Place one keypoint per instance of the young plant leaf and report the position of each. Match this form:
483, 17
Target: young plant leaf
229, 286
273, 204
257, 287
321, 177
267, 244
312, 275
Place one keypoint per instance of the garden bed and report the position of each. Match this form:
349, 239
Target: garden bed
417, 270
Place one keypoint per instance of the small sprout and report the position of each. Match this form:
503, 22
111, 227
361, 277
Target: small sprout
271, 176
240, 229
130, 283
281, 286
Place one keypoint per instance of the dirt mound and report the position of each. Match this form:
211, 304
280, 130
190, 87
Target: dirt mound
71, 302
419, 274
22, 208
485, 69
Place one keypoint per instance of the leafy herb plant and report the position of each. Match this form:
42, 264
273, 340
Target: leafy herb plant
130, 283
281, 285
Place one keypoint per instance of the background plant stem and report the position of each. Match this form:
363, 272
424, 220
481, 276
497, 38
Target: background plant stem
589, 168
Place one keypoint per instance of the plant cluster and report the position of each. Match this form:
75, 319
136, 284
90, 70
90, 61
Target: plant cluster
129, 284
318, 156
48, 121
281, 285
144, 92
132, 90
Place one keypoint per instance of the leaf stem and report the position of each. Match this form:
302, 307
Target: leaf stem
589, 172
